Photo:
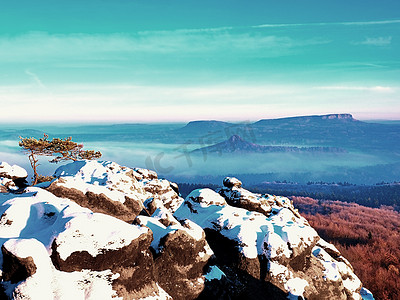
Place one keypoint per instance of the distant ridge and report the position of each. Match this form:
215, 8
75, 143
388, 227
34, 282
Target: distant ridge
206, 125
333, 117
235, 144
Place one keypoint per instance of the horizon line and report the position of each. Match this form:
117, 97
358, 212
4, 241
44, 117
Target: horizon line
160, 122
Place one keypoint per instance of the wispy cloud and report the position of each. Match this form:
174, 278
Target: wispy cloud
376, 41
384, 22
35, 78
78, 49
81, 46
146, 75
376, 89
360, 65
190, 30
366, 23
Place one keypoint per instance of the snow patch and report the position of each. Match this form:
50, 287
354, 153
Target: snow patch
206, 197
9, 171
100, 177
331, 271
255, 233
193, 229
295, 287
158, 229
85, 284
96, 233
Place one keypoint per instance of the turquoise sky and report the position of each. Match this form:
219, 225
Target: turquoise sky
169, 60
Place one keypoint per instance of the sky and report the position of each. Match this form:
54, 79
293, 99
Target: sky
124, 61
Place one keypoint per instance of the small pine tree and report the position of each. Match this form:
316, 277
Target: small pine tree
63, 149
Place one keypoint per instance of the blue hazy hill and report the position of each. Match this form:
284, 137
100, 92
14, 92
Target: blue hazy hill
333, 147
235, 144
334, 130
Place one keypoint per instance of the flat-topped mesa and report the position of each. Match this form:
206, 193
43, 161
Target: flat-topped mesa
345, 117
201, 122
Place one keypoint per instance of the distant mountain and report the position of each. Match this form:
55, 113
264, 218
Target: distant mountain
310, 119
205, 126
333, 130
13, 134
209, 126
235, 144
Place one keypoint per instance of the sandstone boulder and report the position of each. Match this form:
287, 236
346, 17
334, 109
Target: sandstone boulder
104, 231
273, 253
55, 249
237, 196
181, 252
109, 188
12, 177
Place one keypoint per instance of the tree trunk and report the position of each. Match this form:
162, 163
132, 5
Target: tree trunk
33, 161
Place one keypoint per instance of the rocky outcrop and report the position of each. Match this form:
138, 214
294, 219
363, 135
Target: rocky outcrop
98, 202
109, 188
237, 196
16, 268
136, 261
72, 252
102, 187
276, 251
104, 231
12, 177
119, 247
180, 249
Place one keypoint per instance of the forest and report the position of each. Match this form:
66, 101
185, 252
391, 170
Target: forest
368, 237
387, 194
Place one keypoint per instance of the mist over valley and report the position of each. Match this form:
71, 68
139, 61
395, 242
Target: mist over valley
329, 148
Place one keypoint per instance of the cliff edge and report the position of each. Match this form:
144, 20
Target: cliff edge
104, 231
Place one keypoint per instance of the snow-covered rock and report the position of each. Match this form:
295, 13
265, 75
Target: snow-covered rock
124, 193
109, 188
103, 231
11, 177
237, 196
6, 185
177, 246
52, 248
181, 253
104, 187
12, 172
278, 247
